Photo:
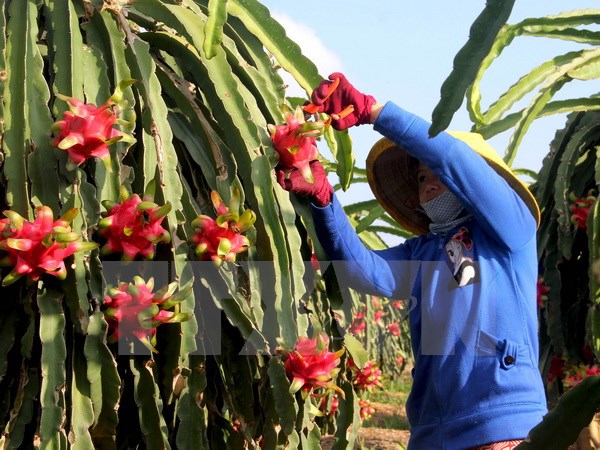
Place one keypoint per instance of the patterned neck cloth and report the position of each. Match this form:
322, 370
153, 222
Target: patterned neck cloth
445, 212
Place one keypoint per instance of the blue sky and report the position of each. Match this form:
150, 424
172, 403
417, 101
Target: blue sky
403, 51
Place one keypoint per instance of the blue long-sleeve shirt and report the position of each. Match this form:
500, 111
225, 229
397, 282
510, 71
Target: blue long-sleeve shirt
475, 379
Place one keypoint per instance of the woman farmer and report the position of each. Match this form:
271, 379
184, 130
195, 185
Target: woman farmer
470, 272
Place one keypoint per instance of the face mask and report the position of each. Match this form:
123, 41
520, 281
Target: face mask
442, 209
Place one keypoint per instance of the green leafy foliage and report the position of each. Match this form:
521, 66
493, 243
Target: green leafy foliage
543, 82
467, 60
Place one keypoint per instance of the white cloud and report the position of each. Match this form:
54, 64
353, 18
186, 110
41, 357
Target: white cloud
312, 47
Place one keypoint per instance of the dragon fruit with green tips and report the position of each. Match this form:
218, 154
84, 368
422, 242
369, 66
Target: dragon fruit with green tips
34, 248
294, 142
86, 131
134, 311
220, 239
133, 226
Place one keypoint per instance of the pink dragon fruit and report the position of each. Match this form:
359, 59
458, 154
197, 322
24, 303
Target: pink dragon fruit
542, 291
329, 408
394, 329
310, 365
133, 227
86, 131
580, 209
366, 409
577, 373
132, 310
358, 325
295, 142
367, 378
220, 239
38, 247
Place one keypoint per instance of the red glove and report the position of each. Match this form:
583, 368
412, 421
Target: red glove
319, 192
341, 97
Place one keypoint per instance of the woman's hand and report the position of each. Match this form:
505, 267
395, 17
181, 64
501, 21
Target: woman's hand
332, 97
319, 192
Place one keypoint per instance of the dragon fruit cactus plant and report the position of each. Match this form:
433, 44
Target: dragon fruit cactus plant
133, 226
86, 131
38, 247
220, 239
132, 310
294, 142
75, 128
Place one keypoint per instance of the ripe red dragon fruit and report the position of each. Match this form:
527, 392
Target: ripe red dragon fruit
311, 366
133, 227
359, 324
220, 239
295, 142
367, 378
329, 408
576, 373
366, 409
86, 131
580, 208
132, 310
542, 291
394, 329
38, 247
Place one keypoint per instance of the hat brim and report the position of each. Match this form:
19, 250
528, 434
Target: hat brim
394, 186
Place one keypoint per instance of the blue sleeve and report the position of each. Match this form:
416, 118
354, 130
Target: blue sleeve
484, 193
389, 273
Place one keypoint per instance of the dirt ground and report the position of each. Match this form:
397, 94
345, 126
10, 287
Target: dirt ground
378, 435
374, 437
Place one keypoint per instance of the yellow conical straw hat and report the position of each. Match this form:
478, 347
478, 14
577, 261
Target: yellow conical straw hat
393, 181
